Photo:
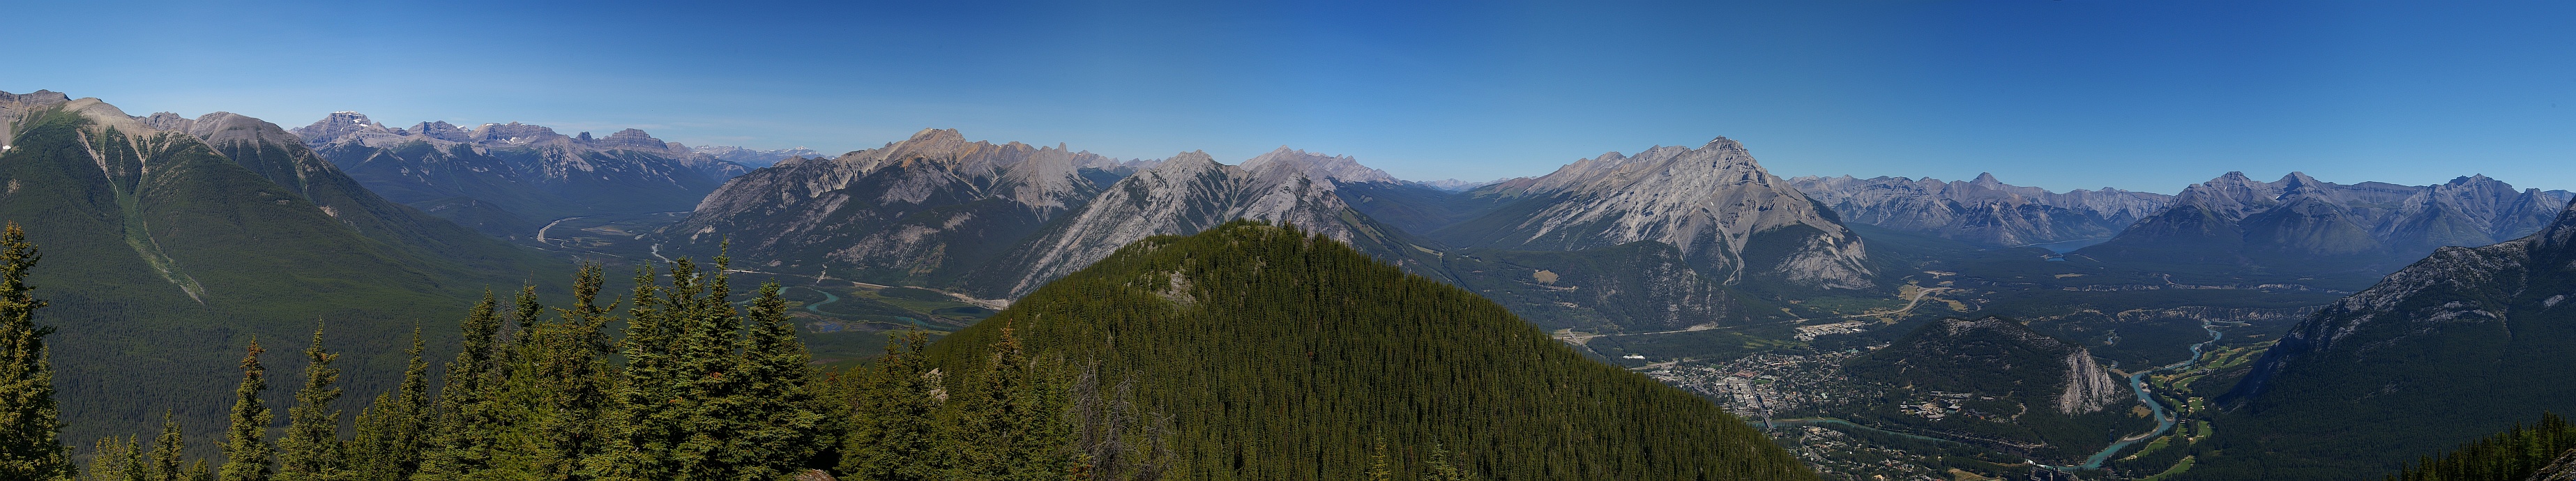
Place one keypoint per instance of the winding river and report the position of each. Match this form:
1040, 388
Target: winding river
2164, 421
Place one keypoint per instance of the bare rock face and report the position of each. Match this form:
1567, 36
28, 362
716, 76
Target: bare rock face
1714, 203
1982, 211
2563, 469
1337, 168
1191, 192
2089, 388
924, 210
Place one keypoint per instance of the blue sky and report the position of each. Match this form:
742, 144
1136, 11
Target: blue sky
2146, 95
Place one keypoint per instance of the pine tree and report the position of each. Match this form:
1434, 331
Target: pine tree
893, 434
674, 418
639, 398
166, 465
462, 443
1441, 470
569, 362
1006, 425
311, 450
246, 448
197, 472
112, 460
784, 426
392, 431
1378, 469
31, 446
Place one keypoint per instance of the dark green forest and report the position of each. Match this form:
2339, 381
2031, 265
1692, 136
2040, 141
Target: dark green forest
2513, 455
1400, 378
1283, 355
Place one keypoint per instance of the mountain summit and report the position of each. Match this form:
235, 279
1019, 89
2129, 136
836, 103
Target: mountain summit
921, 211
1191, 192
1714, 203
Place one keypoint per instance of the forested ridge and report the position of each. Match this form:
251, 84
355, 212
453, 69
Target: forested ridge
2513, 455
1400, 378
1284, 355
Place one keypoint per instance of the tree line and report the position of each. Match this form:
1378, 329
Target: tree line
695, 389
2512, 455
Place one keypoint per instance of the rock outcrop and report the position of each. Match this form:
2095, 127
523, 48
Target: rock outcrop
921, 211
1191, 192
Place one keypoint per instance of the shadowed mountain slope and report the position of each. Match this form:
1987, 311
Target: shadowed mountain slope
1287, 355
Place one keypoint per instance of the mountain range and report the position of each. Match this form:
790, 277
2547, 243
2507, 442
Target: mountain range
2301, 225
2466, 341
201, 232
509, 179
169, 242
1984, 211
997, 221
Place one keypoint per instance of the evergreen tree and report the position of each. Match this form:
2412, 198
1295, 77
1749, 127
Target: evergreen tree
679, 395
311, 450
1378, 469
1441, 469
31, 446
392, 431
1007, 426
462, 443
638, 399
892, 434
197, 472
783, 423
569, 367
166, 451
246, 448
112, 460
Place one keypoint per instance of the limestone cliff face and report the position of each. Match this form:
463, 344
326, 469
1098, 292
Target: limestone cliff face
1722, 209
922, 210
1191, 192
2089, 388
1982, 211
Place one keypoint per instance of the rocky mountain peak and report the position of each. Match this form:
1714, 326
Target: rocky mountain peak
1986, 179
36, 97
337, 125
1337, 168
631, 139
513, 133
1709, 202
441, 130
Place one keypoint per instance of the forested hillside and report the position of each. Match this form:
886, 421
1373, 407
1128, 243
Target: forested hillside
1284, 355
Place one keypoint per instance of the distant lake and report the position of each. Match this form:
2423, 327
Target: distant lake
2069, 246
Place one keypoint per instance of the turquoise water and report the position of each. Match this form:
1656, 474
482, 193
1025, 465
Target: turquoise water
2138, 383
